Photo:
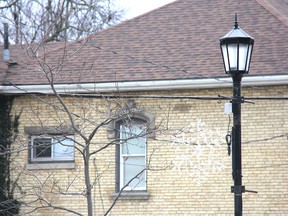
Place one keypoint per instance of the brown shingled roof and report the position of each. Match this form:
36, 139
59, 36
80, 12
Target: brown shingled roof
177, 41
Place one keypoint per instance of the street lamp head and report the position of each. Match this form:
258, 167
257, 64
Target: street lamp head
236, 48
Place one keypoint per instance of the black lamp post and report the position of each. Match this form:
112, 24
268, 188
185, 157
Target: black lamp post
236, 48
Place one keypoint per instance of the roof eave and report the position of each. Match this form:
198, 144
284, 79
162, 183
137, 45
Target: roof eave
207, 83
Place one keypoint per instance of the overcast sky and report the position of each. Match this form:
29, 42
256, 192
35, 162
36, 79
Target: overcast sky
137, 7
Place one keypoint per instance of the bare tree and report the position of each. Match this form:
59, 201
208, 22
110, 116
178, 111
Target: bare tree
47, 20
75, 122
8, 4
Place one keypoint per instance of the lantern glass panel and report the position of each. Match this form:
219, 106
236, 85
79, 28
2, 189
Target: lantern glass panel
243, 52
249, 57
232, 54
225, 57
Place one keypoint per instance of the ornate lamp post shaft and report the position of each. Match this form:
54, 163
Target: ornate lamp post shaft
238, 189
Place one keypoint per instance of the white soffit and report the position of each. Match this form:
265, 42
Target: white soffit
146, 85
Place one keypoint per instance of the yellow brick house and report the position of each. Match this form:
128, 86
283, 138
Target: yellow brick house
130, 121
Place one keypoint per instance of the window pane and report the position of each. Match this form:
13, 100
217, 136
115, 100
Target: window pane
63, 148
133, 145
42, 148
132, 167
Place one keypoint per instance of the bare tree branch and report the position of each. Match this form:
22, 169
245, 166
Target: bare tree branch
121, 191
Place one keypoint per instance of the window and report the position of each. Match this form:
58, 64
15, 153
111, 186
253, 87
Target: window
131, 152
58, 148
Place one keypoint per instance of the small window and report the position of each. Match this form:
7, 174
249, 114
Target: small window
52, 148
132, 156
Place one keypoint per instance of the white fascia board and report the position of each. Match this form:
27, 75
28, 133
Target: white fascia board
146, 85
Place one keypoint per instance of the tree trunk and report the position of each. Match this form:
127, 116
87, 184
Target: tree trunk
87, 181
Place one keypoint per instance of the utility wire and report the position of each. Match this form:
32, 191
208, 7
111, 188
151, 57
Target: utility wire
217, 98
177, 69
158, 65
266, 139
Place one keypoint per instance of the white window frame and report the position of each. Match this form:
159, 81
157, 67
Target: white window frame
122, 160
54, 140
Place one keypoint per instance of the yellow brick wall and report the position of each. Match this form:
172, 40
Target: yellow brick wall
171, 192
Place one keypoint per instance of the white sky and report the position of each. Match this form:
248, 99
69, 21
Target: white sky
137, 7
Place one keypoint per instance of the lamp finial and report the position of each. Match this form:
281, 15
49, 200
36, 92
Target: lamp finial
235, 22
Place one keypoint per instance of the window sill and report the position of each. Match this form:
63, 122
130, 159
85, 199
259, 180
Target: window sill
132, 195
39, 166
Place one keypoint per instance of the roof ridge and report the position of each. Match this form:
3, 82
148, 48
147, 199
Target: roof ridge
274, 11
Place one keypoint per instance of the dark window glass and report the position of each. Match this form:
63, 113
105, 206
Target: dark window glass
42, 148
